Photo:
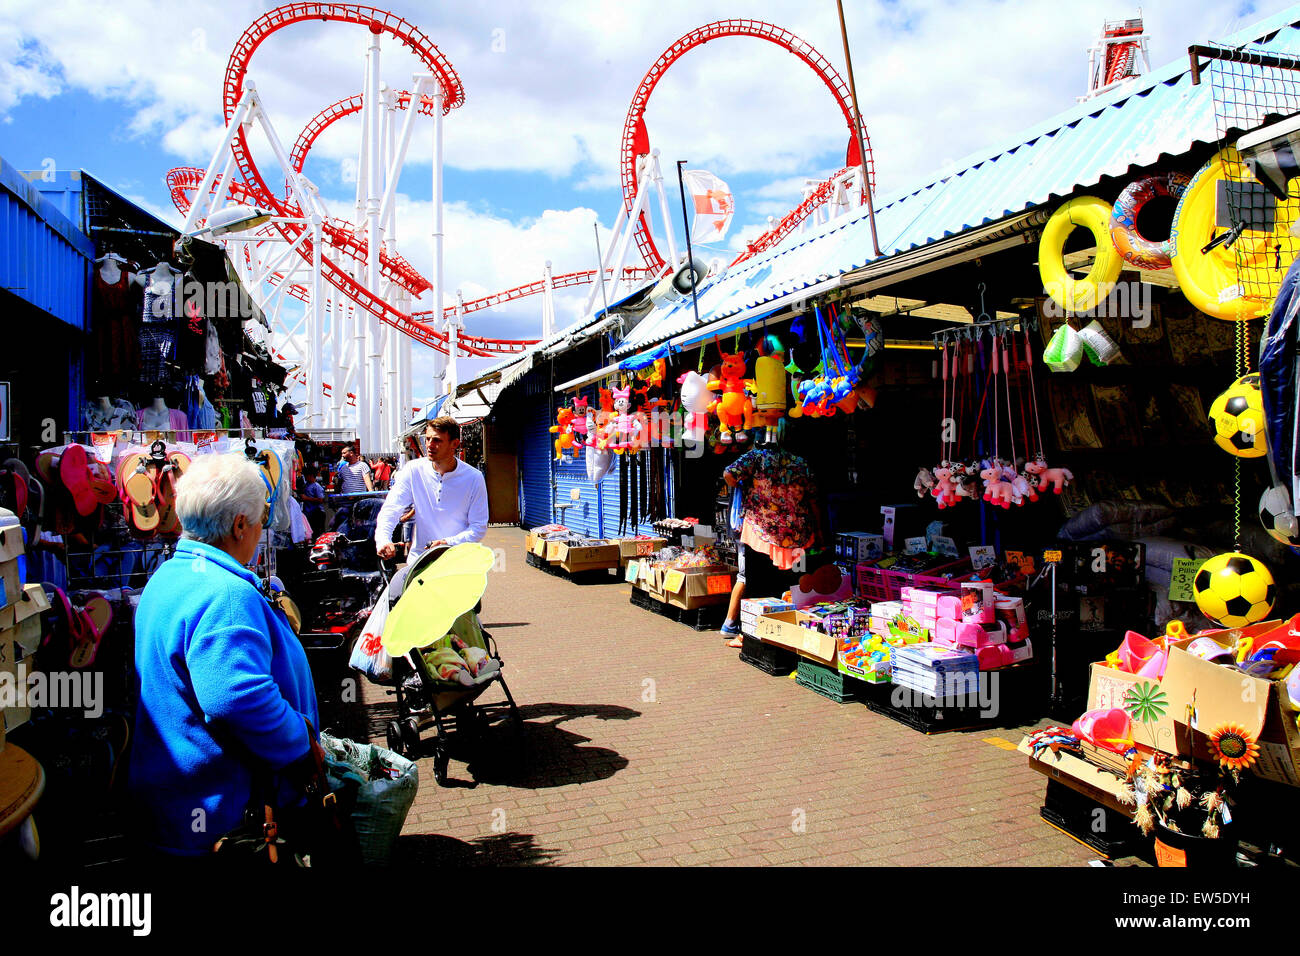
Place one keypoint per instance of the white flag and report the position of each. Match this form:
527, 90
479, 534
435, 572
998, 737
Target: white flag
712, 202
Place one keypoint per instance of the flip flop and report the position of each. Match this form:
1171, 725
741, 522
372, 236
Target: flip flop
168, 475
59, 508
269, 462
74, 471
134, 481
67, 623
736, 643
169, 523
102, 485
96, 618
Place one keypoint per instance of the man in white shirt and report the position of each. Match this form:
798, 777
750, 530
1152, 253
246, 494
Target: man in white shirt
449, 496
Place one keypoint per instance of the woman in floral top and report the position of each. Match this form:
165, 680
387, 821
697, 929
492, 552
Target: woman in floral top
778, 496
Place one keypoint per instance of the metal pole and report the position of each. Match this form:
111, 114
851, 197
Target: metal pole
548, 304
368, 398
600, 272
663, 207
690, 255
316, 331
857, 129
439, 317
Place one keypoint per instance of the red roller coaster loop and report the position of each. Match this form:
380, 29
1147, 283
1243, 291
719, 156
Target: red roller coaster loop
636, 138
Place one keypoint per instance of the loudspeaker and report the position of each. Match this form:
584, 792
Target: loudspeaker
677, 285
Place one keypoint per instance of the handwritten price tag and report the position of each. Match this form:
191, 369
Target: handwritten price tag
632, 572
983, 556
1052, 557
102, 443
674, 580
644, 549
914, 545
206, 442
719, 583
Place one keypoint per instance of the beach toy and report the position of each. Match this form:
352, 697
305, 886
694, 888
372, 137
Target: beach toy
1133, 247
1110, 729
1208, 649
1078, 295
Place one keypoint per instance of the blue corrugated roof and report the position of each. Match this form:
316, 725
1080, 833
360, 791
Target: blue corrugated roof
1160, 115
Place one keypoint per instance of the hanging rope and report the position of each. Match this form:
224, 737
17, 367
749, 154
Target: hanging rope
1033, 393
1242, 364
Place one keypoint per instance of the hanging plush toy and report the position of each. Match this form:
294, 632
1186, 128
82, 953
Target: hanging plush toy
581, 410
600, 437
564, 427
624, 429
734, 409
945, 489
924, 482
695, 406
997, 490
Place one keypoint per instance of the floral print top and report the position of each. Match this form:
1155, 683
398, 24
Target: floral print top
778, 496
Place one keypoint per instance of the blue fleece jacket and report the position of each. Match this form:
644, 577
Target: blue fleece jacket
209, 648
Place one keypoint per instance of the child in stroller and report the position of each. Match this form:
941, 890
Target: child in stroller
444, 676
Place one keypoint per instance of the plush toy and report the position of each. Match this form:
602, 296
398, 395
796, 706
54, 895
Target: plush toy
564, 427
695, 406
1058, 478
967, 480
997, 490
600, 438
924, 482
734, 409
945, 489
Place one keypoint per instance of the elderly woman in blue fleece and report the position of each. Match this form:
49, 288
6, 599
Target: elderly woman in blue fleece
219, 669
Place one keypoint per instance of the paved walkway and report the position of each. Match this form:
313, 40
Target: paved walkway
647, 742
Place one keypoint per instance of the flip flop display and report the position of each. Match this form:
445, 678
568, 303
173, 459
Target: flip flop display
60, 511
96, 618
74, 471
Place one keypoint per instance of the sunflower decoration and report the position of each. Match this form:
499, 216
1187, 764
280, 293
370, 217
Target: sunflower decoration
1233, 747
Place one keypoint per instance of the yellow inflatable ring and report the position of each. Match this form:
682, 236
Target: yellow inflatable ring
1213, 281
1071, 294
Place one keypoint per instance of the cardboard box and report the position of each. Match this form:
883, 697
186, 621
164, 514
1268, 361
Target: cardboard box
538, 546
690, 588
857, 546
783, 630
629, 548
1097, 784
575, 558
13, 588
1227, 695
1109, 688
553, 550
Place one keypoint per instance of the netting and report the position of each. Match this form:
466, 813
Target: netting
1251, 87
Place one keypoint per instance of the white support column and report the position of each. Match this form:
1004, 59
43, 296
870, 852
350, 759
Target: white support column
632, 218
548, 302
368, 396
316, 331
406, 395
201, 196
658, 175
453, 341
438, 93
595, 295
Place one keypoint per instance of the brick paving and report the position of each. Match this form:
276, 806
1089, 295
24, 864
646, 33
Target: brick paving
648, 743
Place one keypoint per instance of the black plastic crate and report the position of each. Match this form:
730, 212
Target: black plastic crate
828, 682
534, 560
1111, 834
642, 599
777, 661
1020, 697
703, 618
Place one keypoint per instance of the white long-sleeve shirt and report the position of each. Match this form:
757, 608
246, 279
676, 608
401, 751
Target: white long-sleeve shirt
451, 507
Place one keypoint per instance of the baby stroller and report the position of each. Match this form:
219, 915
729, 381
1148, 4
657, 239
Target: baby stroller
443, 678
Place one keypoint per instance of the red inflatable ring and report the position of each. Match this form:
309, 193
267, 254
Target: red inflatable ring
1133, 247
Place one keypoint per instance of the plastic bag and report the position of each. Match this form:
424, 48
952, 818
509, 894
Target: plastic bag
1065, 350
737, 510
385, 784
368, 654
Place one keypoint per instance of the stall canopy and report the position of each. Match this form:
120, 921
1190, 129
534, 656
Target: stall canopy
982, 200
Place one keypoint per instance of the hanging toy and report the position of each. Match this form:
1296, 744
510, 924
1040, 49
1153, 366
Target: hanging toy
924, 482
1058, 478
997, 490
945, 489
968, 480
769, 388
581, 413
734, 409
622, 432
1277, 516
564, 427
695, 398
1234, 589
1237, 419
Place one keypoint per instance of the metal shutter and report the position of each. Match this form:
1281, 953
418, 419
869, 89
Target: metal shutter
535, 464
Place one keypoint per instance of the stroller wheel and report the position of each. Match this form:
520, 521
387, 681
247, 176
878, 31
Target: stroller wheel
395, 742
410, 732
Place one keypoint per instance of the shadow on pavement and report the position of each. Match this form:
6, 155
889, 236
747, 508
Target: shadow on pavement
506, 849
544, 754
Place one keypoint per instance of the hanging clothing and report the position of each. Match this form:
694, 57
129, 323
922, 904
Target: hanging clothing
158, 347
177, 422
114, 319
121, 415
779, 518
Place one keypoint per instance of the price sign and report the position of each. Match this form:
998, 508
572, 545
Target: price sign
719, 583
983, 556
206, 442
674, 580
1181, 578
1022, 562
632, 572
914, 545
644, 549
1052, 557
102, 444
941, 544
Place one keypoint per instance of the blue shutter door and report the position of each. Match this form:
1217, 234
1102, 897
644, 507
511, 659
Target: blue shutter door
535, 464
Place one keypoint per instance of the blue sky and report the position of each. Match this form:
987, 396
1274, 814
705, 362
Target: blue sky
532, 157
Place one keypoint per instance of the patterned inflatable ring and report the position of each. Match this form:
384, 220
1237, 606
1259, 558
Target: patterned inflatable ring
1212, 281
1071, 294
1133, 247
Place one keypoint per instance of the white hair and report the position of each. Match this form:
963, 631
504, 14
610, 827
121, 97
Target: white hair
215, 490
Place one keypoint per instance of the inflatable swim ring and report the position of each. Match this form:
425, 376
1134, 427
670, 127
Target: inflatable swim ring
1133, 247
1236, 282
1071, 294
